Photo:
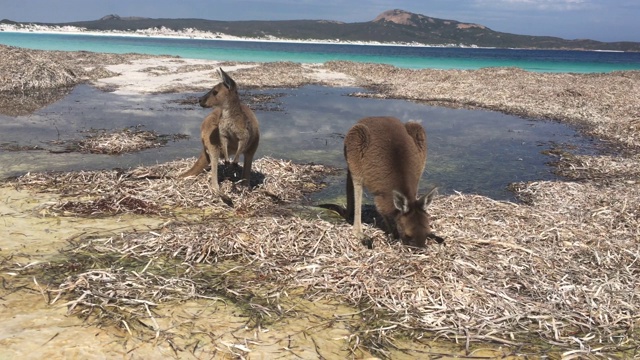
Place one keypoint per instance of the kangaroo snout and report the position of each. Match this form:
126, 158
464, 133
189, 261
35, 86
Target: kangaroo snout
203, 100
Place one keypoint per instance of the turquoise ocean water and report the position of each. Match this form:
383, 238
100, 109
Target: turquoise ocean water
400, 56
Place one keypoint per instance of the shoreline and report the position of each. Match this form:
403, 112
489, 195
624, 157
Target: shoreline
203, 35
164, 33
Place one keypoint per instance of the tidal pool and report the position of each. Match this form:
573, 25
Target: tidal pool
471, 151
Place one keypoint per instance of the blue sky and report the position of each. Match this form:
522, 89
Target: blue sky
604, 20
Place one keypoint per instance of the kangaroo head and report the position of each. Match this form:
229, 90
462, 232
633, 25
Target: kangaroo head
220, 92
412, 220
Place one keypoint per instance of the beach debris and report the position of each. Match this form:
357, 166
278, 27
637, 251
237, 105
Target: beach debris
27, 69
117, 142
535, 276
158, 190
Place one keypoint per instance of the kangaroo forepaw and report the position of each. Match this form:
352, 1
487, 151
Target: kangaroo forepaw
366, 241
226, 199
437, 238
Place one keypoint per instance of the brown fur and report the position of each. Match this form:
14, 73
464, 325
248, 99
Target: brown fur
387, 158
230, 128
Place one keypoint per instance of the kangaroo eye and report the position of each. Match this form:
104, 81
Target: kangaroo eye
214, 92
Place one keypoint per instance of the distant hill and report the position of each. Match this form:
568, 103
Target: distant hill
116, 17
393, 26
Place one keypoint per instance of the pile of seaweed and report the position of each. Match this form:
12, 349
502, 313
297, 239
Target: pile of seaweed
30, 79
26, 69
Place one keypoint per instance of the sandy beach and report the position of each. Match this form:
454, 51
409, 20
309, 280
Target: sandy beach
555, 274
182, 34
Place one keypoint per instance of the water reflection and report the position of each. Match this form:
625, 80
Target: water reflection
28, 101
469, 151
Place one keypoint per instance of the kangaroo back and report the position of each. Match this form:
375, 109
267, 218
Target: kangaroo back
387, 158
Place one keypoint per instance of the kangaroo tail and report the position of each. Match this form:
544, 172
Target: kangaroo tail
197, 168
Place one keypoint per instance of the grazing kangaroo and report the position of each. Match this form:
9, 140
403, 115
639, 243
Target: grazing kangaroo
387, 158
230, 128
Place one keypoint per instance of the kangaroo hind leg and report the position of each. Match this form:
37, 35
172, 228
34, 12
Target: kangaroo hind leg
214, 157
355, 146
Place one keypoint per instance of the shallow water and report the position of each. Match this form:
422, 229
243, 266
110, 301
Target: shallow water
471, 151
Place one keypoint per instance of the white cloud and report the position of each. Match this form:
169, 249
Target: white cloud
545, 5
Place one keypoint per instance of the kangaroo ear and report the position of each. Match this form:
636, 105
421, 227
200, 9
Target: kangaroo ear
400, 202
426, 199
228, 82
417, 133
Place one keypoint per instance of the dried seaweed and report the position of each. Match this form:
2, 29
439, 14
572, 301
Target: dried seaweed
277, 74
25, 69
562, 268
20, 103
157, 189
121, 141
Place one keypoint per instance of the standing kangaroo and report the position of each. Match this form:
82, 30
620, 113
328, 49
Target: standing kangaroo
230, 128
387, 158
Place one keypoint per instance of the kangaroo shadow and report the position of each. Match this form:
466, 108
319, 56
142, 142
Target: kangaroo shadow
228, 171
369, 214
233, 172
